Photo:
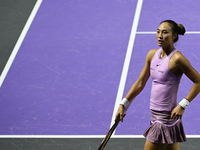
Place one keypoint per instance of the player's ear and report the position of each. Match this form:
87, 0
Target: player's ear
174, 36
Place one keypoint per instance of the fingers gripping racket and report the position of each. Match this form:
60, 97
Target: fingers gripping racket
108, 135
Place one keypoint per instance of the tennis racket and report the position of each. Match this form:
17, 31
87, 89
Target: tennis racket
108, 135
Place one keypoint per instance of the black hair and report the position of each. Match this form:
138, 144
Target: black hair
176, 28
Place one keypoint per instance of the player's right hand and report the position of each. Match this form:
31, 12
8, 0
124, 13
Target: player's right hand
120, 113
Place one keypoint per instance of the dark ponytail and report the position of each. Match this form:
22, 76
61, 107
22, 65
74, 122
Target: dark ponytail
179, 29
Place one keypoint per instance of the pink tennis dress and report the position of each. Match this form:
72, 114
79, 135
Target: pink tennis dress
163, 100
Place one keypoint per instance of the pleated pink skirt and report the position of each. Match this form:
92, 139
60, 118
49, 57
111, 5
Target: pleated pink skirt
162, 129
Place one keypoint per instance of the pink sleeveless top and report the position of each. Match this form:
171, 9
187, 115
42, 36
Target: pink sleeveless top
164, 83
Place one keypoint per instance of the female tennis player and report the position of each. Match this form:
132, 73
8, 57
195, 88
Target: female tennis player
165, 66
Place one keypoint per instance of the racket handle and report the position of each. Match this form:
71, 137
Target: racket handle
108, 135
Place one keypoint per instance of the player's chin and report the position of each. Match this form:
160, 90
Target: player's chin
160, 44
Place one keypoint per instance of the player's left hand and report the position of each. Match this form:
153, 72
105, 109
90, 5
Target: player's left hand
177, 112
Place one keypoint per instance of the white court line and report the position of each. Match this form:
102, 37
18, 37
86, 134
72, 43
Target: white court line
19, 42
69, 136
81, 136
127, 59
154, 32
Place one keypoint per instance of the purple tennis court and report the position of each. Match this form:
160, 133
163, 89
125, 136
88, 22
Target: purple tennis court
68, 71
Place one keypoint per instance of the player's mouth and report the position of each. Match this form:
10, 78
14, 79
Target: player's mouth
160, 41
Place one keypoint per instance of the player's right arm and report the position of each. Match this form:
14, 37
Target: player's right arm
139, 85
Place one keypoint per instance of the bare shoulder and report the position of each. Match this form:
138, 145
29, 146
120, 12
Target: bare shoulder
150, 54
178, 54
179, 58
183, 64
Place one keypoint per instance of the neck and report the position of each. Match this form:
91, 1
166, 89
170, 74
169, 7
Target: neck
167, 50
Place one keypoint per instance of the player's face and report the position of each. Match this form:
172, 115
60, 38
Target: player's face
164, 35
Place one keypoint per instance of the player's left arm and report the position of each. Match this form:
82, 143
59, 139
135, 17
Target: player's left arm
185, 67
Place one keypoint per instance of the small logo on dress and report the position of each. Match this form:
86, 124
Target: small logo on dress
152, 69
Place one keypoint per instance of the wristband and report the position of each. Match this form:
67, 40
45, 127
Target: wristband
184, 103
126, 103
